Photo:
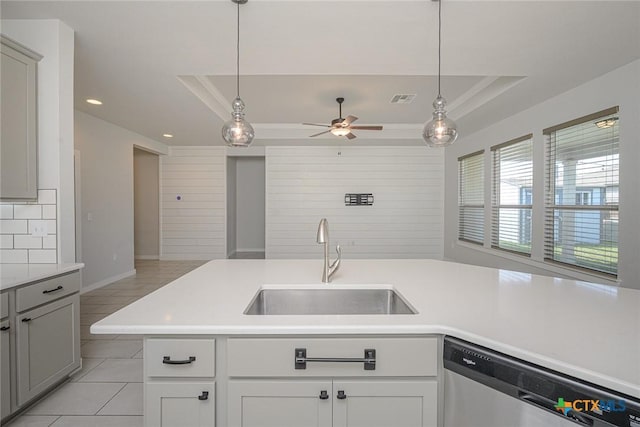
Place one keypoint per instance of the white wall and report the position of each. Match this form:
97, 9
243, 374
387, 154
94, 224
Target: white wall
54, 40
231, 206
305, 184
146, 204
193, 227
107, 197
619, 87
250, 199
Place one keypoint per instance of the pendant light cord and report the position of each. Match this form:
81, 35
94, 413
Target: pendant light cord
238, 52
439, 42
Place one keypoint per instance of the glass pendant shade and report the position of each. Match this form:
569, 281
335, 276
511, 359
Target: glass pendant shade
238, 132
441, 130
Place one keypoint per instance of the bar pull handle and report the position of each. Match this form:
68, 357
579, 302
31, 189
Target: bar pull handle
341, 395
369, 359
547, 404
167, 361
5, 328
324, 395
59, 288
204, 396
26, 319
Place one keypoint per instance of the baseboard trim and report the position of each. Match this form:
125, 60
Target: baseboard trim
107, 281
147, 257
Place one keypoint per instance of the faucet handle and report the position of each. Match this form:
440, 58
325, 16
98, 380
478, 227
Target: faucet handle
336, 264
339, 251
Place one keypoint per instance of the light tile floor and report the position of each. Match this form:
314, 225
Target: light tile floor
107, 392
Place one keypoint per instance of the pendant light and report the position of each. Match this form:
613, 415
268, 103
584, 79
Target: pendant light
238, 132
440, 131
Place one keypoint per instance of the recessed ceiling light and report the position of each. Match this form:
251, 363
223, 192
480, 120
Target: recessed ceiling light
94, 101
167, 135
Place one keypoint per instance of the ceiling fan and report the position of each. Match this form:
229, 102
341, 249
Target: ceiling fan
342, 127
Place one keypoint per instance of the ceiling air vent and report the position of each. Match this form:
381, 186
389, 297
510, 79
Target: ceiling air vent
403, 98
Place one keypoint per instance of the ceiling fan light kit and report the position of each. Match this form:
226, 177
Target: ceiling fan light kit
238, 132
441, 130
342, 127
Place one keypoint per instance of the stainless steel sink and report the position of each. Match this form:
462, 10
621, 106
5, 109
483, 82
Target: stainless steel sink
308, 301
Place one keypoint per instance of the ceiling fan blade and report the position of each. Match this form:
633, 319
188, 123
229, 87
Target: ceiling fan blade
316, 124
350, 135
349, 120
366, 127
321, 133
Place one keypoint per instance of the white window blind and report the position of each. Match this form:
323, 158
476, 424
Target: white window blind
511, 195
581, 204
471, 198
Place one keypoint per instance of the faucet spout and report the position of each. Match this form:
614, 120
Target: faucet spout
329, 268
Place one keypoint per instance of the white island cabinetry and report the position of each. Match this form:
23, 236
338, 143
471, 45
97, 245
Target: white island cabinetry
179, 382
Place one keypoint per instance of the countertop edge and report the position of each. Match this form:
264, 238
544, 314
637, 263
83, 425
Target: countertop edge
27, 273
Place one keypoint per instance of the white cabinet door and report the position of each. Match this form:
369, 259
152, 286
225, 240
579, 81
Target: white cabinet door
174, 404
279, 403
48, 344
5, 371
373, 403
18, 167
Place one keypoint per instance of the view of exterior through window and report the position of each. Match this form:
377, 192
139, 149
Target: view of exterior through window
581, 206
471, 198
511, 196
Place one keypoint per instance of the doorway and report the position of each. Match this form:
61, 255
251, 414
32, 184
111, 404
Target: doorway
146, 204
245, 207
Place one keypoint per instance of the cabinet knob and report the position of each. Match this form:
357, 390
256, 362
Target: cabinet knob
59, 288
5, 328
167, 361
341, 395
26, 319
204, 396
324, 395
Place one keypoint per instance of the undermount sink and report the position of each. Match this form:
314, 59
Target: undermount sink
334, 300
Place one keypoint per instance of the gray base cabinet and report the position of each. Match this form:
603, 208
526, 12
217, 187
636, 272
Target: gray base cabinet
48, 345
5, 370
280, 403
180, 404
40, 333
358, 381
377, 403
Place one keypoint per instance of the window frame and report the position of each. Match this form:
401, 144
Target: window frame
496, 204
463, 206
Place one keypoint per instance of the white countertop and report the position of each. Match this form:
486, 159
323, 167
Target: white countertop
585, 330
12, 275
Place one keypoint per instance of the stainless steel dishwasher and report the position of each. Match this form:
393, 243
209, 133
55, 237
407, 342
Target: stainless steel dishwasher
484, 388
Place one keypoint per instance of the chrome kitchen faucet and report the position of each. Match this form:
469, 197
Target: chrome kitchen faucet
323, 238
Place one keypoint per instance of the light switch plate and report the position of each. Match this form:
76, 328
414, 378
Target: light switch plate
38, 228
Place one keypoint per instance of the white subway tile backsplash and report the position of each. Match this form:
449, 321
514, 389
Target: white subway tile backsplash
6, 211
6, 241
17, 223
13, 226
47, 197
13, 256
26, 241
49, 242
49, 212
27, 212
42, 256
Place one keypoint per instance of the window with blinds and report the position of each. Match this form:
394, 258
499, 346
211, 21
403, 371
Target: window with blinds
511, 195
471, 198
581, 203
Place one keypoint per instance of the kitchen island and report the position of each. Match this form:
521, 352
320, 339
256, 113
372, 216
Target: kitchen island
581, 329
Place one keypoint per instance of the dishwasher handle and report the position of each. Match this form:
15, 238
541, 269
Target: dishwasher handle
549, 405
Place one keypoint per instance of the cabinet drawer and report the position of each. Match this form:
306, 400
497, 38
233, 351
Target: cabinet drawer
394, 357
47, 290
167, 357
170, 404
4, 305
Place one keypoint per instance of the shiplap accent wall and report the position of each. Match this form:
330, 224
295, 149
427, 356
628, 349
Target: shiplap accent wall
304, 184
193, 227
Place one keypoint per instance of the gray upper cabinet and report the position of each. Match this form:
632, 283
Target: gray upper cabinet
18, 109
